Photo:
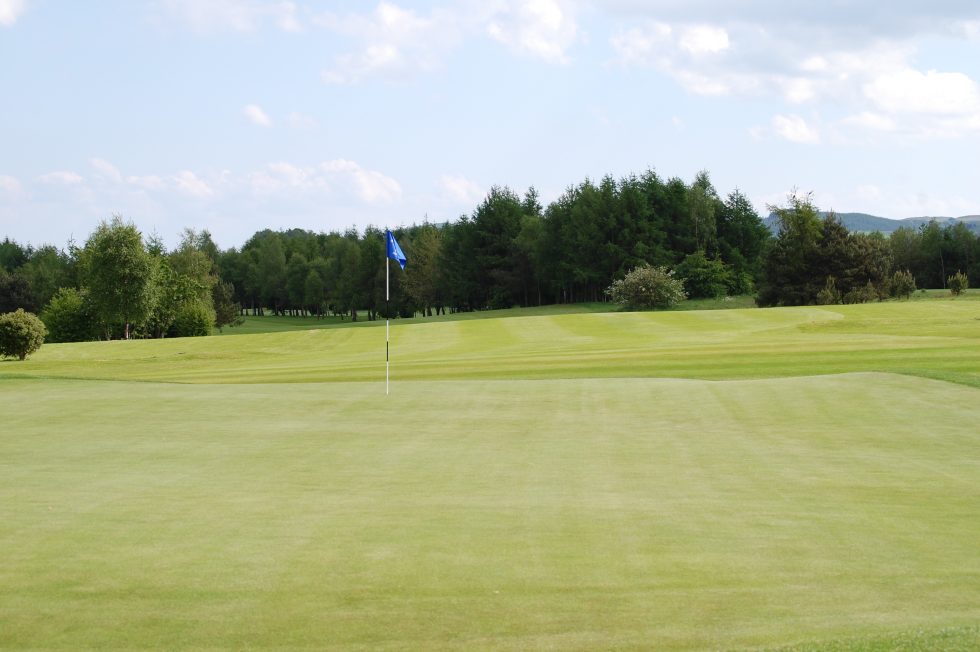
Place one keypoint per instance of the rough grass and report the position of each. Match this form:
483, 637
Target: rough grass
511, 492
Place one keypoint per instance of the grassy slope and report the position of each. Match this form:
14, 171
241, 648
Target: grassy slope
280, 324
575, 511
938, 339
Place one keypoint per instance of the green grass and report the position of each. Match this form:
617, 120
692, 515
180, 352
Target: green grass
954, 639
252, 325
279, 324
789, 479
936, 294
938, 339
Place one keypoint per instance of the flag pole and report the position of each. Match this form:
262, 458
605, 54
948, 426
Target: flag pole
392, 250
387, 314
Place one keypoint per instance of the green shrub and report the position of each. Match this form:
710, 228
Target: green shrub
647, 287
829, 295
704, 278
739, 283
69, 317
21, 334
193, 319
864, 294
902, 284
957, 283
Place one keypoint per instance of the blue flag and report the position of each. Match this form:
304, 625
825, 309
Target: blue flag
394, 251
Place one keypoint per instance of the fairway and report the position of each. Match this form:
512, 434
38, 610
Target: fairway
742, 479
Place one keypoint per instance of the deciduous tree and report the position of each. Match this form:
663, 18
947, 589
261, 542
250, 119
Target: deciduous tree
119, 275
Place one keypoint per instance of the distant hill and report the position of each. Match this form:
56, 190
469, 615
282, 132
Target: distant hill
868, 223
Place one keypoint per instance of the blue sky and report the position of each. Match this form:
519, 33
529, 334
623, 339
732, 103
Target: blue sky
237, 115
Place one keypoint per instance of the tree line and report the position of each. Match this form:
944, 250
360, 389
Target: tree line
511, 251
814, 259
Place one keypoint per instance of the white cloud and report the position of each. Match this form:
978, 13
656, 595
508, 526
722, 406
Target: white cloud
106, 171
705, 60
798, 90
932, 92
233, 15
62, 177
795, 129
869, 120
462, 189
282, 176
188, 183
638, 46
541, 28
826, 23
10, 11
393, 42
148, 182
371, 186
259, 117
694, 55
864, 68
815, 63
335, 176
704, 39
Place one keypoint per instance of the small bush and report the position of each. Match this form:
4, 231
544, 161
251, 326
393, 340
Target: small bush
647, 287
704, 278
865, 294
902, 284
739, 283
957, 283
21, 334
829, 295
193, 319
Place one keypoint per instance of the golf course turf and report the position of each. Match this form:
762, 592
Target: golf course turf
790, 479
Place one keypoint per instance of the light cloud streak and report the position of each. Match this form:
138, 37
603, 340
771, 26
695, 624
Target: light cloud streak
257, 116
795, 129
62, 177
463, 190
208, 16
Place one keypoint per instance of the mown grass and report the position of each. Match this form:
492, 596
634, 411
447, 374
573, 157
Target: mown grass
939, 339
278, 323
535, 482
281, 323
952, 639
573, 514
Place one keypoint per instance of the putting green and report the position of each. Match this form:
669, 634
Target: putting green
556, 510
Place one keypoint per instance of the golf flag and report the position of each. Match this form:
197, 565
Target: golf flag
394, 251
